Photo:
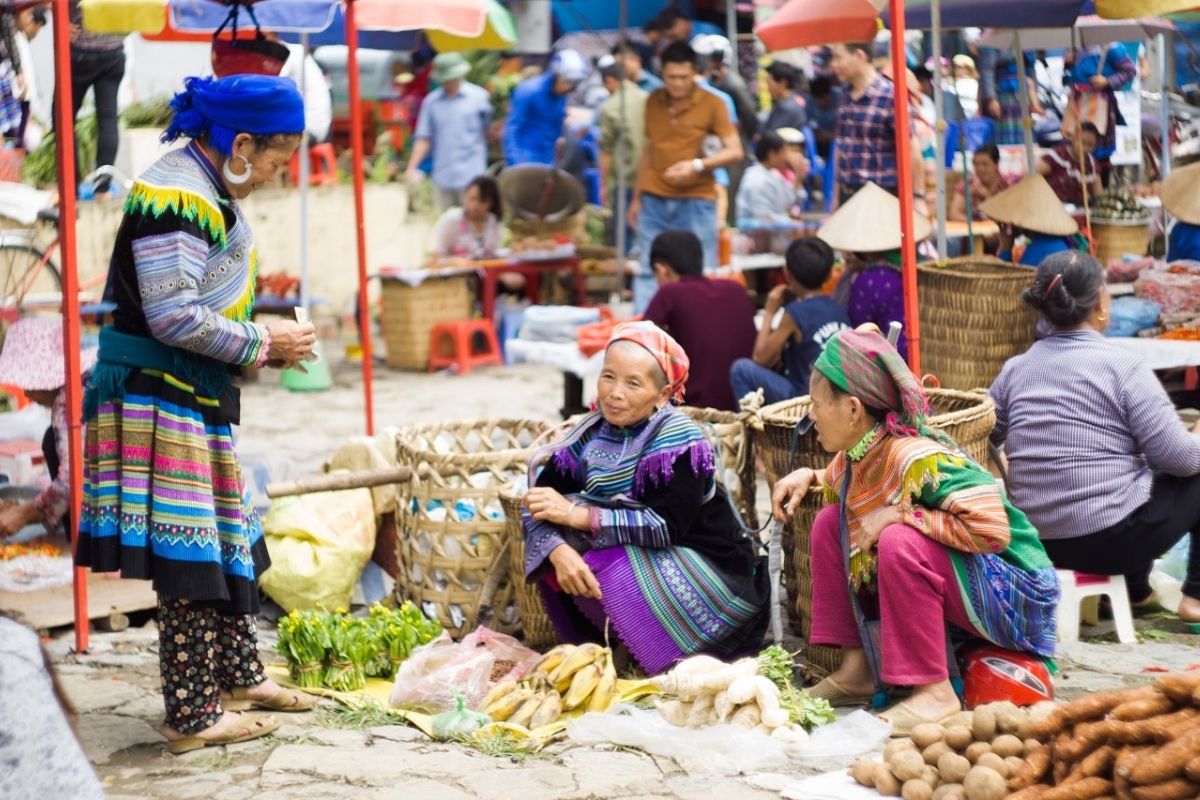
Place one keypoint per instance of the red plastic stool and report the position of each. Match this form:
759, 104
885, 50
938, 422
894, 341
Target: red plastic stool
322, 166
462, 336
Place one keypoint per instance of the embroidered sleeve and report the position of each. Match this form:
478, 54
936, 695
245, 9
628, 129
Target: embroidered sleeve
961, 508
172, 261
1123, 68
542, 538
55, 500
669, 510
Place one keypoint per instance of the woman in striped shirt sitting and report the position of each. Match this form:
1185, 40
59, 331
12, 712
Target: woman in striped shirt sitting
1097, 456
918, 537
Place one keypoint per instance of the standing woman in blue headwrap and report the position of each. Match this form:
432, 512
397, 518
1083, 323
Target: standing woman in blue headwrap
163, 493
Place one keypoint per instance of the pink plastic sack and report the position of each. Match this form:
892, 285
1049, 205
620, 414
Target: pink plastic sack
1175, 287
433, 672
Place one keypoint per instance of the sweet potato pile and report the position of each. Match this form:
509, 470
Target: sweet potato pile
1137, 744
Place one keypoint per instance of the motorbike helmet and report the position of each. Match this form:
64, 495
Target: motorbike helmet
570, 66
992, 674
710, 48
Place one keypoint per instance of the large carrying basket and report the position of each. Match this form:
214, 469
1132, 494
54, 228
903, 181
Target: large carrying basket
972, 319
1117, 238
537, 631
967, 417
733, 444
410, 313
451, 523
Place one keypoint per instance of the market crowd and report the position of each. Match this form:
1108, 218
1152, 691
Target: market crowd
628, 521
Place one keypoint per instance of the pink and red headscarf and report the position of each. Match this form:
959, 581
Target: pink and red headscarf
666, 351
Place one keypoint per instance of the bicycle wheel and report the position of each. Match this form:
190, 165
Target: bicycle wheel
29, 281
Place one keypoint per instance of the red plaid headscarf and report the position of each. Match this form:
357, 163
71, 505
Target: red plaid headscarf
666, 351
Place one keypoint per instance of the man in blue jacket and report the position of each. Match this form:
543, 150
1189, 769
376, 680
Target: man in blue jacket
538, 108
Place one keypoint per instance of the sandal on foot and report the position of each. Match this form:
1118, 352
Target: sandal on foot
248, 727
285, 700
903, 719
837, 695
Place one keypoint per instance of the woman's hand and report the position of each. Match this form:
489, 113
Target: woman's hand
1099, 82
871, 527
573, 574
547, 505
790, 491
291, 342
14, 518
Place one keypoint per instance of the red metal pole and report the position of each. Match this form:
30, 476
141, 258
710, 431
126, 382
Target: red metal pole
64, 129
908, 251
356, 146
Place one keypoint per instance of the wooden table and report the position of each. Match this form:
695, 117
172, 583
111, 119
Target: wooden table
980, 229
490, 269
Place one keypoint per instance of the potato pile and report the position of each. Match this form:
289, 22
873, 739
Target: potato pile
969, 756
1137, 744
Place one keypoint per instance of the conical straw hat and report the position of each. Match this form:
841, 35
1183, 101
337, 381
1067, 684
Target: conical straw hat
1032, 205
1181, 194
869, 222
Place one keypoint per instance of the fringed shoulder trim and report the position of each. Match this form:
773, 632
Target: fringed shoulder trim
150, 200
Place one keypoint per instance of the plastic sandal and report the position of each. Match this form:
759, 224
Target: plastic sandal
285, 700
830, 690
249, 727
903, 719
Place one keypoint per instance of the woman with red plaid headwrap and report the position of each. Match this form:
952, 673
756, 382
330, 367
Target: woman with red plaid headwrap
627, 524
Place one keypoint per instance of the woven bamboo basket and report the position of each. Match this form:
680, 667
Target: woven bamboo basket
451, 522
797, 554
972, 319
536, 629
1116, 238
967, 417
734, 446
410, 313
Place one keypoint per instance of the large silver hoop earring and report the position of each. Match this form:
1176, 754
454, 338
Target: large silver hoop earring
232, 177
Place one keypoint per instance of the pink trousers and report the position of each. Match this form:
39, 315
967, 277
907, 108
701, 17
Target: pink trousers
918, 593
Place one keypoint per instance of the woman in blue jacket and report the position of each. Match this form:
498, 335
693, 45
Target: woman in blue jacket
537, 109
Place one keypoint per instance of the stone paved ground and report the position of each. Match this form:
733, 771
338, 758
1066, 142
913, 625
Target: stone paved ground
116, 687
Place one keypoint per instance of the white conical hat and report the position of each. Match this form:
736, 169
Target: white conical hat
869, 222
1181, 194
1032, 205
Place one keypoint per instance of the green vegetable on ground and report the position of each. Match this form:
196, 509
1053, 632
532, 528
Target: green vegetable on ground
803, 709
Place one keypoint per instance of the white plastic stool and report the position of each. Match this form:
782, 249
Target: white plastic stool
1081, 593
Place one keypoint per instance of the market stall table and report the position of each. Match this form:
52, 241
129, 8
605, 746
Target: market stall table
979, 230
532, 269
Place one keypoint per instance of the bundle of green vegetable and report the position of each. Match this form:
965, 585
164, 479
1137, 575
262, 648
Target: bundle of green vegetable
805, 710
1119, 205
340, 652
304, 641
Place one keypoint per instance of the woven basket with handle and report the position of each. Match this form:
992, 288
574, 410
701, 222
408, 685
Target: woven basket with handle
409, 314
451, 522
967, 417
972, 319
1117, 238
537, 631
734, 447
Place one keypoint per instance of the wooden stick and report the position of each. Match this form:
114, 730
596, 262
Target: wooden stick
363, 479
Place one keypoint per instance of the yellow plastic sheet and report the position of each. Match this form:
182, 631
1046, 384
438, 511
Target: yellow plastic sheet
1131, 9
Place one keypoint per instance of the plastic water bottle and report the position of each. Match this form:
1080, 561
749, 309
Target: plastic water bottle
1175, 561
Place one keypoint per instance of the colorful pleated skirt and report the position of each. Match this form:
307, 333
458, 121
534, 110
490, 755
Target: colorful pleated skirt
664, 605
164, 498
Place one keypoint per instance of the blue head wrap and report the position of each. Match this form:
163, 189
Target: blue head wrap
218, 109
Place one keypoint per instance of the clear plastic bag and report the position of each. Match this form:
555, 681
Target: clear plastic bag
432, 674
835, 746
720, 749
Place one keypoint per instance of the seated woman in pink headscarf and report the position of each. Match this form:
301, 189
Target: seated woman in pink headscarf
627, 524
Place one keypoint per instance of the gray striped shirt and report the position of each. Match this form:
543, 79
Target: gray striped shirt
1085, 425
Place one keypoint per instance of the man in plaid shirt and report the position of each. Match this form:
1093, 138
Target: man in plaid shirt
865, 131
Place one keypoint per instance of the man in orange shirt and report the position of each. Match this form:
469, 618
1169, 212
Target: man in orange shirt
674, 187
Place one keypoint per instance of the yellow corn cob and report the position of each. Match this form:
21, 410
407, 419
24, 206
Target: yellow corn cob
506, 706
548, 711
525, 713
553, 659
582, 685
605, 691
584, 655
499, 691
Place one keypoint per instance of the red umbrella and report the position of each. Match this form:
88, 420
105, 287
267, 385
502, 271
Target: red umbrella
804, 23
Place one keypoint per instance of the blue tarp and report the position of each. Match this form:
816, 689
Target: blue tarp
604, 15
997, 13
335, 33
204, 16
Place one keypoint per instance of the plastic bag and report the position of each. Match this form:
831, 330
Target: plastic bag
1130, 315
835, 746
720, 749
1127, 270
460, 721
319, 544
434, 672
